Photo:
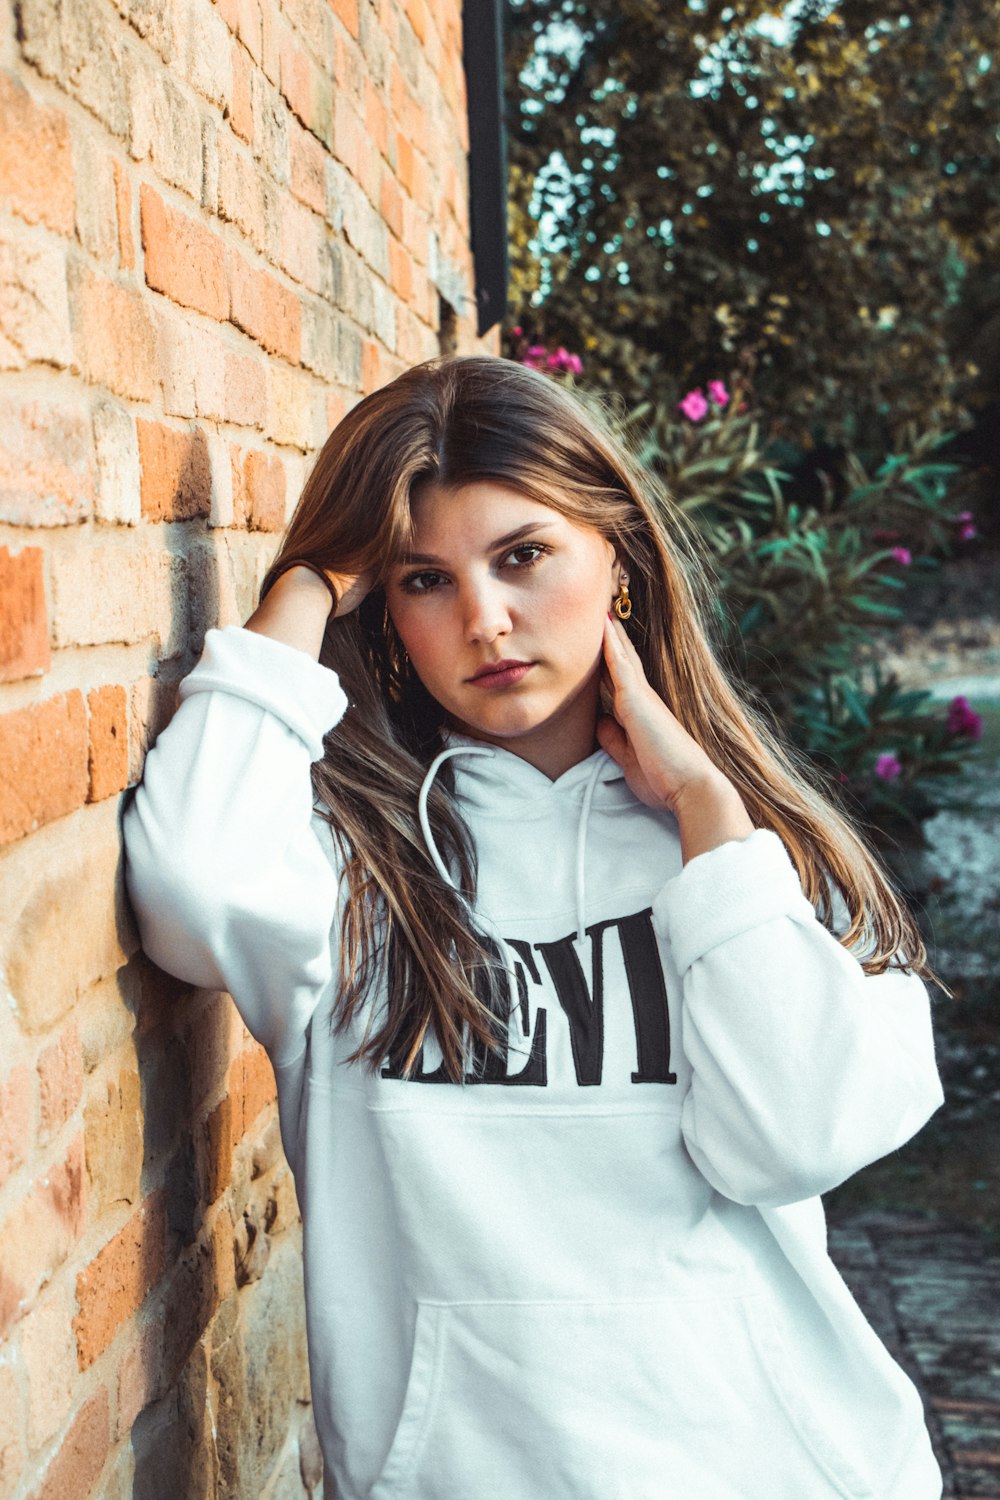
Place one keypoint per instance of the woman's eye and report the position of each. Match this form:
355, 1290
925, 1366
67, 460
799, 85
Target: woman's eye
420, 583
527, 553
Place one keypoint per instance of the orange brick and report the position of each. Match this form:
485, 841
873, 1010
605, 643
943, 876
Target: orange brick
175, 473
116, 1283
251, 1089
391, 204
184, 259
114, 335
371, 366
123, 204
376, 118
60, 1079
400, 271
347, 10
308, 159
36, 159
243, 18
40, 1232
404, 162
47, 463
240, 109
108, 760
258, 490
43, 764
24, 624
296, 80
16, 1120
77, 1466
265, 310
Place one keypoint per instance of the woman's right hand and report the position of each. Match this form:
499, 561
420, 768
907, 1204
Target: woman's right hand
298, 605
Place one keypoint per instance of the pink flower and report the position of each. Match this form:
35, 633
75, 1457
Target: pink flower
902, 555
535, 356
718, 393
963, 719
517, 332
694, 406
888, 766
563, 360
966, 526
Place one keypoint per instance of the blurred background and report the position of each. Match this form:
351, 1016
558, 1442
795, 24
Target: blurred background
770, 239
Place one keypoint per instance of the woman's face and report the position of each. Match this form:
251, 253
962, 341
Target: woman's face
497, 579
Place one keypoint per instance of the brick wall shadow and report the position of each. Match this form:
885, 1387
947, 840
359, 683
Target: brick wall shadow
183, 1037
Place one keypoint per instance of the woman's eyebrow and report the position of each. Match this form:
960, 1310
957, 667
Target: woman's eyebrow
501, 541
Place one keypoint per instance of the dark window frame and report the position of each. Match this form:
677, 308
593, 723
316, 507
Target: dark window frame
483, 54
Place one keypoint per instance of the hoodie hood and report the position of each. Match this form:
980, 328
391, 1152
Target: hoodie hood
492, 779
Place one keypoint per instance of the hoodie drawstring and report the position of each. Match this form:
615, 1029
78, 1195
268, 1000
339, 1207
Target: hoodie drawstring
581, 833
581, 850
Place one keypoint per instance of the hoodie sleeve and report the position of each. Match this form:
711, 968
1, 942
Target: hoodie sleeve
804, 1068
230, 884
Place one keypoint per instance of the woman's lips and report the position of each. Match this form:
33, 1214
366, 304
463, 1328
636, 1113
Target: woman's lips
503, 674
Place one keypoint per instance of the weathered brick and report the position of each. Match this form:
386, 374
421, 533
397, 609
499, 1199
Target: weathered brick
294, 409
320, 340
17, 1119
77, 1466
11, 1441
165, 126
116, 1282
114, 335
43, 764
123, 209
251, 1084
391, 204
245, 390
203, 50
183, 258
24, 625
108, 758
150, 709
116, 449
242, 191
105, 593
36, 159
400, 271
81, 47
34, 305
243, 18
308, 170
48, 1355
271, 121
39, 1233
176, 478
114, 1145
240, 110
60, 1081
66, 879
300, 244
96, 201
258, 490
347, 12
46, 463
265, 309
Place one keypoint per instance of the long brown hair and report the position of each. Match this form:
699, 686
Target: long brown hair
454, 420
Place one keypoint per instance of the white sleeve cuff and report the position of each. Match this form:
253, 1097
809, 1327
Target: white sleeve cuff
727, 891
279, 678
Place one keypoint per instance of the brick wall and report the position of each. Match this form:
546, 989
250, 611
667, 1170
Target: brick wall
220, 224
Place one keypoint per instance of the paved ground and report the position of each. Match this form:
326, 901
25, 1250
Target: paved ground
933, 1295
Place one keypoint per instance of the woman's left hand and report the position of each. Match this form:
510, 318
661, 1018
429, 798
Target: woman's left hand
663, 765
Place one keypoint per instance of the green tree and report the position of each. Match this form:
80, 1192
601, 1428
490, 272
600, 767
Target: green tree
810, 194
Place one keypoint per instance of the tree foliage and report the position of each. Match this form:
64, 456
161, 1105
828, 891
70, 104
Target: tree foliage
814, 194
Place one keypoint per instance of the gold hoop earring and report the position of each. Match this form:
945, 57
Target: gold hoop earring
622, 604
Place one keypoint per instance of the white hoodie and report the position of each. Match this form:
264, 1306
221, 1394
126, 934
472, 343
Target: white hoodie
599, 1272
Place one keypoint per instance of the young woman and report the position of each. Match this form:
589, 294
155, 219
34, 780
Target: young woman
578, 993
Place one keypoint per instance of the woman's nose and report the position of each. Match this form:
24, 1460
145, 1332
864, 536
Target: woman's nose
486, 614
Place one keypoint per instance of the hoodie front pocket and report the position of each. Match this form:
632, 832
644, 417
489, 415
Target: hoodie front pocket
628, 1400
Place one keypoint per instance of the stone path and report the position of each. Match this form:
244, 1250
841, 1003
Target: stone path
933, 1295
